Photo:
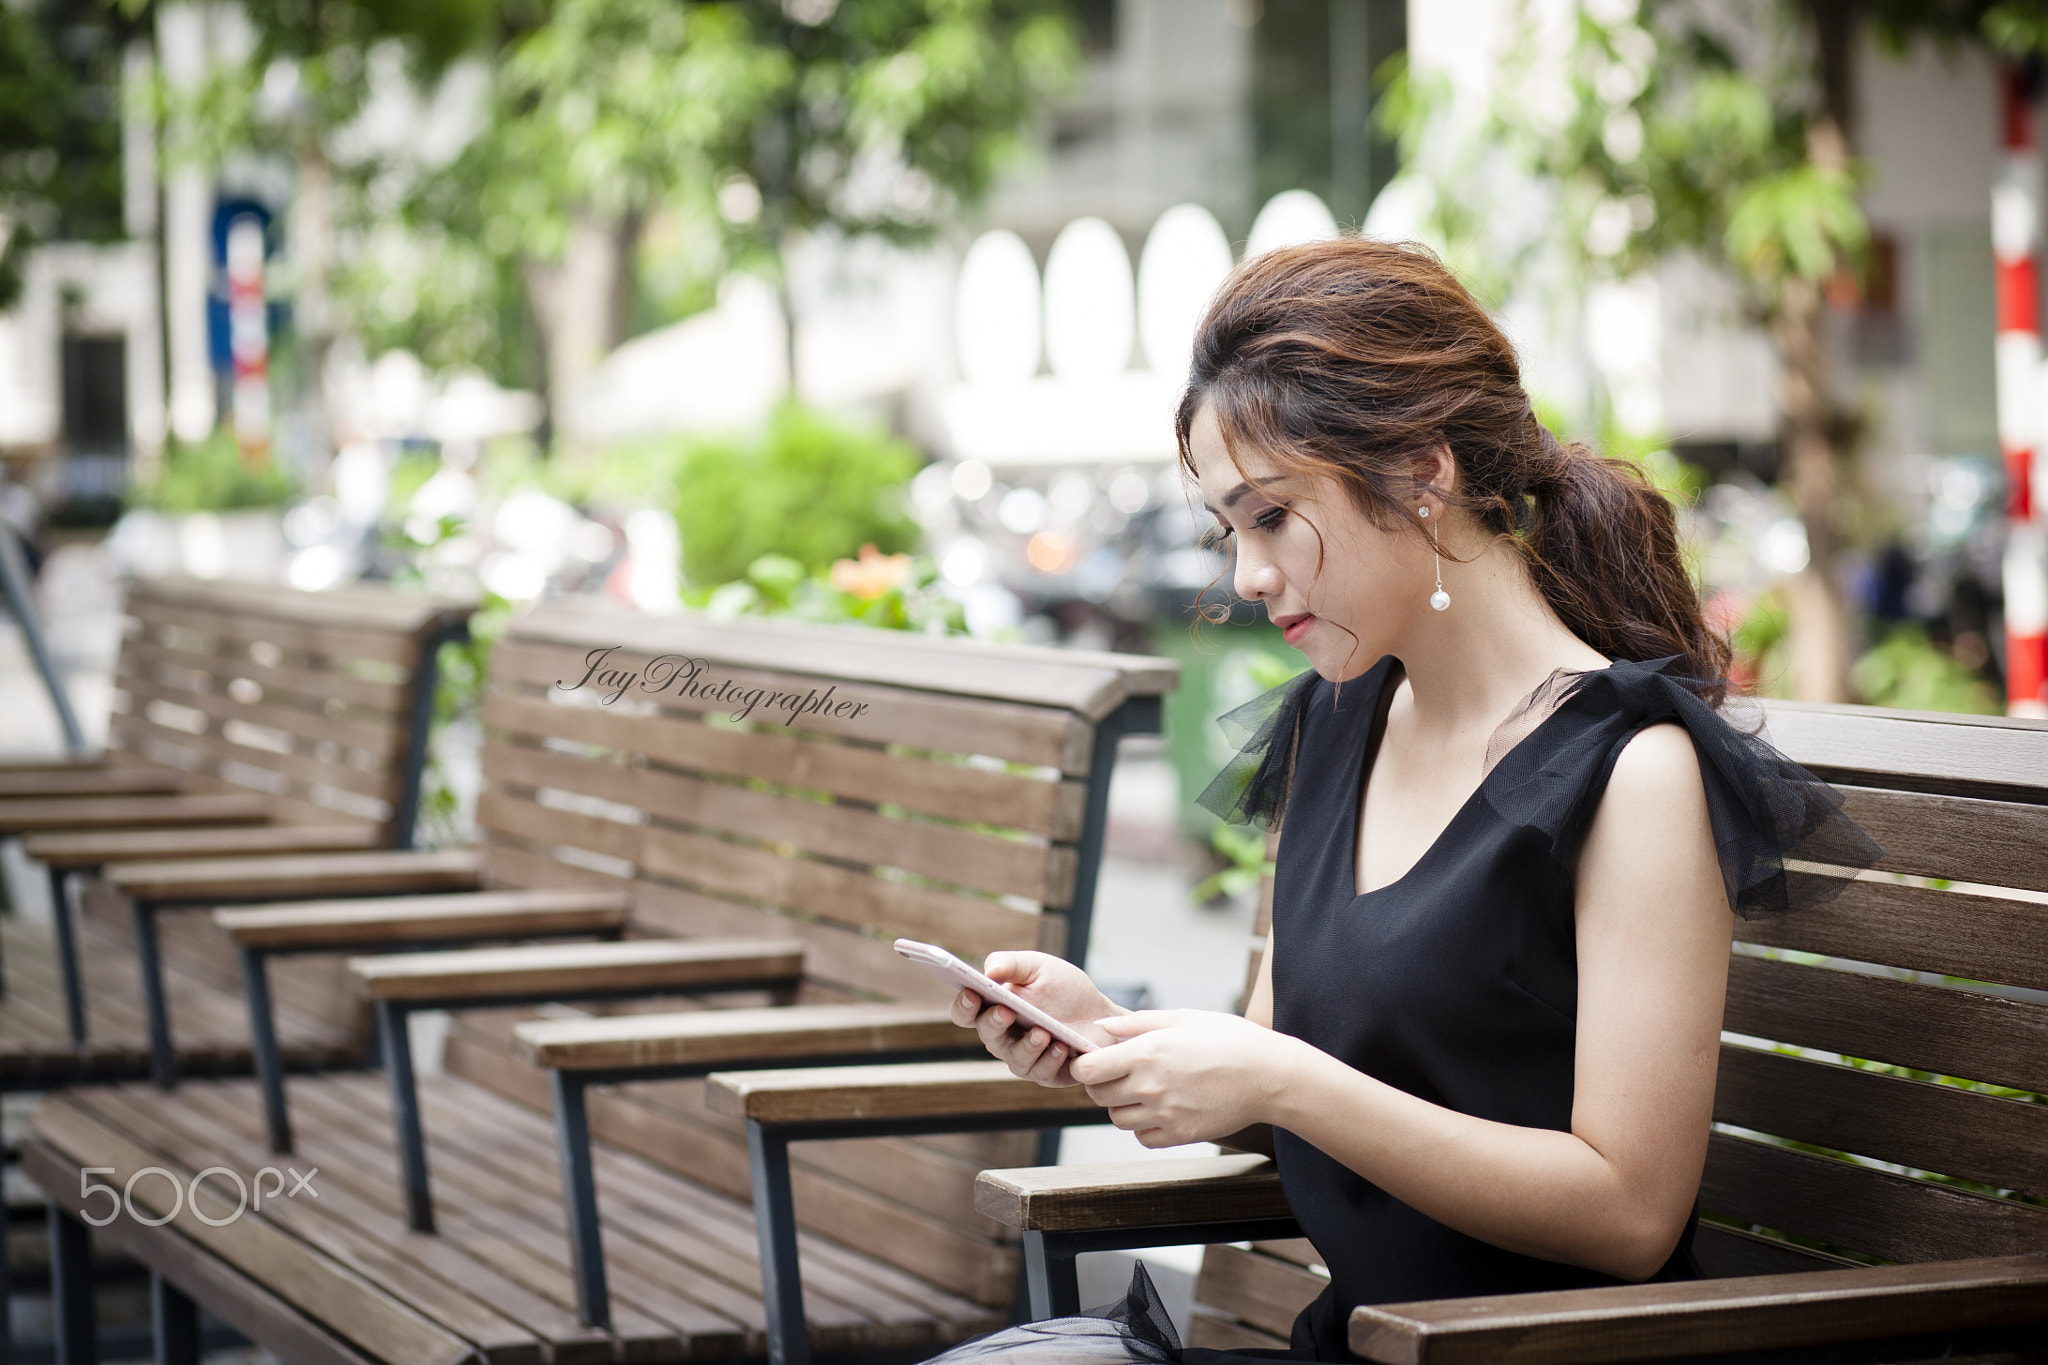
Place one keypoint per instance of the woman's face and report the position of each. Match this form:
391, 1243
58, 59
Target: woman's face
1371, 581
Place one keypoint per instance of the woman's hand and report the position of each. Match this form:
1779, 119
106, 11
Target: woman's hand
1054, 985
1180, 1076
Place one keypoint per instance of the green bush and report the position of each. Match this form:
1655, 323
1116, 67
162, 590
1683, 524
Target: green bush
777, 585
807, 486
211, 476
1910, 671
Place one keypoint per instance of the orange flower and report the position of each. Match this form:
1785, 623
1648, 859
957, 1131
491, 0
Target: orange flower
873, 574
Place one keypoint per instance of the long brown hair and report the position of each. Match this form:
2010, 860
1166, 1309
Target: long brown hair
1355, 357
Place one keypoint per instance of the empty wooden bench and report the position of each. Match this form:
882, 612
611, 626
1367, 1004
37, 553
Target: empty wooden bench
247, 719
944, 788
1874, 1188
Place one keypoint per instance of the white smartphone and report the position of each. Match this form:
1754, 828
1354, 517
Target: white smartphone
947, 967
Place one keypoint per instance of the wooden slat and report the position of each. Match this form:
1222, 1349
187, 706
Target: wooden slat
290, 1269
320, 874
1088, 683
1980, 938
91, 850
291, 684
289, 779
638, 964
363, 606
56, 763
963, 857
83, 813
1858, 1208
1999, 1142
334, 640
1928, 1028
1264, 1291
1211, 1332
912, 1090
414, 919
1121, 1194
737, 1035
933, 787
1968, 752
379, 735
205, 755
235, 1298
1997, 843
99, 781
968, 925
1638, 1322
1015, 732
1725, 1252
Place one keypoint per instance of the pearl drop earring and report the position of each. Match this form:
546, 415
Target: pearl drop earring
1438, 599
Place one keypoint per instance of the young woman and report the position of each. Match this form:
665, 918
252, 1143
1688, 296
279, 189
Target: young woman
1486, 1027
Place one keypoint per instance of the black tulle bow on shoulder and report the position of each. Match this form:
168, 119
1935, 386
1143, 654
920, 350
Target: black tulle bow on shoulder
1252, 787
1781, 836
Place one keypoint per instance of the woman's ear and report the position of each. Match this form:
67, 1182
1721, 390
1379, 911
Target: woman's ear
1435, 471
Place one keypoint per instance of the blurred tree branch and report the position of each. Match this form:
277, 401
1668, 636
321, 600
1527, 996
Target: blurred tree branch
1728, 132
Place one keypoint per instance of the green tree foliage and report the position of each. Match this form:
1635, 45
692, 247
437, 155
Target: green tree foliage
60, 127
808, 487
704, 134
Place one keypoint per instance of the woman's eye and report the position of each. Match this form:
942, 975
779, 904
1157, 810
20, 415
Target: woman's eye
1214, 538
1269, 518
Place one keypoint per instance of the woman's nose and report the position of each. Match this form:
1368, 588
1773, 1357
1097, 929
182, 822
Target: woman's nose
1256, 578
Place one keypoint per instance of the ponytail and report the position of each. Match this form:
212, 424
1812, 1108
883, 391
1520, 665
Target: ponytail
1602, 545
1353, 357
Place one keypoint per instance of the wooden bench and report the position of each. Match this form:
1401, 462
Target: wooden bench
944, 788
1875, 1182
247, 719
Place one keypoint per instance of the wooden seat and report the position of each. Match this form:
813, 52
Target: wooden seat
815, 790
1876, 1175
241, 713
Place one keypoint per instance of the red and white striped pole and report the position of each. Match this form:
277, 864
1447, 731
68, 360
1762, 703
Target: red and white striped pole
2015, 242
249, 339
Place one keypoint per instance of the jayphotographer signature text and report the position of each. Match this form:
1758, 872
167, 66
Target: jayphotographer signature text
687, 678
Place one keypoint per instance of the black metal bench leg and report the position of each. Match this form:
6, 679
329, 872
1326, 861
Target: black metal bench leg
405, 1113
263, 1040
163, 1062
1049, 1273
782, 1285
579, 1193
71, 1290
175, 1318
67, 952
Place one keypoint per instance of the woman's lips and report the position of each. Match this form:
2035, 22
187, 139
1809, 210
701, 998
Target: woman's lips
1297, 628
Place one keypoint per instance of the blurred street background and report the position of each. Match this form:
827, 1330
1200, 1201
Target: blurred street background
877, 310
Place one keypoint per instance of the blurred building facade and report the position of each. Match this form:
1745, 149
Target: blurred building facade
1038, 355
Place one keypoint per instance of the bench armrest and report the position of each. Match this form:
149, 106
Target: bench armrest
1133, 1194
914, 1090
423, 919
1637, 1322
307, 875
708, 1037
645, 965
140, 845
24, 815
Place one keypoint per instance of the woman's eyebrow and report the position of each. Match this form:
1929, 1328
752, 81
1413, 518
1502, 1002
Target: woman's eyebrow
1230, 498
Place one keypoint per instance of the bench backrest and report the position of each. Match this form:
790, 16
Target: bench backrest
320, 700
1917, 1002
932, 788
1939, 993
935, 788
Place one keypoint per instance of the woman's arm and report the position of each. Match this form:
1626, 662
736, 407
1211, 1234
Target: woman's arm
1613, 1193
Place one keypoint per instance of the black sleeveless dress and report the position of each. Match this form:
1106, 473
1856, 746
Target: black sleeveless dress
1458, 982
